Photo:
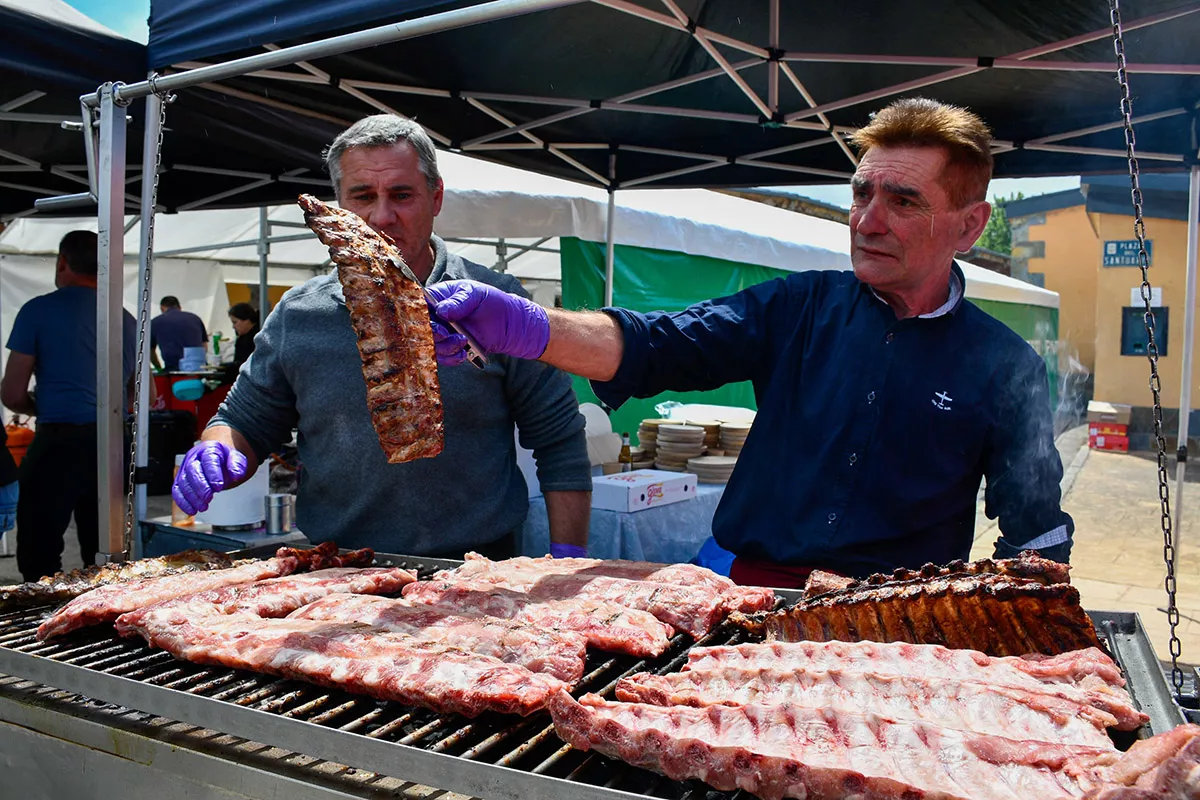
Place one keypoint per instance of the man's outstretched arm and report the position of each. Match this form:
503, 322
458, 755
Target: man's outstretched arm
585, 343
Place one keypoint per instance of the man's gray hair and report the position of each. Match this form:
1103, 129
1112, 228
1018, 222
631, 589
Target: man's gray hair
382, 130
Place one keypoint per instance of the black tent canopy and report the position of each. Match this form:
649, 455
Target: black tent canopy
717, 92
51, 54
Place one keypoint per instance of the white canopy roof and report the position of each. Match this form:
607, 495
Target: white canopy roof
486, 201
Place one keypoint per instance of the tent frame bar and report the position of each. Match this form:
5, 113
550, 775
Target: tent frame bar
335, 45
110, 388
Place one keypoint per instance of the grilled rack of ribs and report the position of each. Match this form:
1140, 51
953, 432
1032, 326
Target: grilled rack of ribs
1028, 565
64, 586
395, 340
994, 613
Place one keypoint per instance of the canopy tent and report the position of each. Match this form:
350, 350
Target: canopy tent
741, 97
51, 55
700, 93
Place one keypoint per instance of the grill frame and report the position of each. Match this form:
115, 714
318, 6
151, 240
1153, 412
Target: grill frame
418, 756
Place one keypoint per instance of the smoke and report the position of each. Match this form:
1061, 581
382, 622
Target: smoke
1074, 389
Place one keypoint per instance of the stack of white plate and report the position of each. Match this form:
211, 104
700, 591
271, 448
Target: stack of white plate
648, 433
712, 469
676, 444
733, 436
712, 432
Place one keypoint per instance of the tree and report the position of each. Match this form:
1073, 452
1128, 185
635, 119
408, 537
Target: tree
997, 236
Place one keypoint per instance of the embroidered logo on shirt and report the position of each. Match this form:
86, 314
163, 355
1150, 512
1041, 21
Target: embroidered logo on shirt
942, 401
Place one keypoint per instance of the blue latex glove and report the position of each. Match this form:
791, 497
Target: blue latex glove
498, 321
209, 467
567, 551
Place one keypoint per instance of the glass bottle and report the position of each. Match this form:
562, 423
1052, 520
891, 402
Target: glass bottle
626, 456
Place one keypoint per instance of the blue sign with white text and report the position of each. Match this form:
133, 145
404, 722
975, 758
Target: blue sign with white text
1124, 253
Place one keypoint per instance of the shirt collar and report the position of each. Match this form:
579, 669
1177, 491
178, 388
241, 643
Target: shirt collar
957, 290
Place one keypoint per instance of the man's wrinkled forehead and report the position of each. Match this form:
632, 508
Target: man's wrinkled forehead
914, 172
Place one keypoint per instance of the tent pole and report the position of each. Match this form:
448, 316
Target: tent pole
110, 279
264, 250
150, 145
1189, 327
610, 246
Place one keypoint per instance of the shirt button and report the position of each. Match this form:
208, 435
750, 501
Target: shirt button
853, 457
889, 337
871, 397
833, 517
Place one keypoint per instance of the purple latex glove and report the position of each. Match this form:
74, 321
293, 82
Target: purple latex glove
450, 347
209, 467
567, 551
500, 322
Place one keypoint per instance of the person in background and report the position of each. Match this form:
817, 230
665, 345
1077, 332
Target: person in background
53, 340
884, 396
306, 374
10, 488
244, 318
173, 330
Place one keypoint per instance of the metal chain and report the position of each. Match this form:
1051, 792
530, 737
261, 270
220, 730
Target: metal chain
144, 320
1139, 230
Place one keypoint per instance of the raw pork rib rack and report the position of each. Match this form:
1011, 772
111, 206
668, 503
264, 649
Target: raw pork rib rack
313, 729
395, 340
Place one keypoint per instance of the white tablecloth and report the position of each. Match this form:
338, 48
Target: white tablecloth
670, 534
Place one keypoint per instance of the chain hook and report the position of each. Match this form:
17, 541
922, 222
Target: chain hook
1139, 230
144, 318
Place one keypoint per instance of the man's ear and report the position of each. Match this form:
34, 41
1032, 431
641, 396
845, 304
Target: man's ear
973, 222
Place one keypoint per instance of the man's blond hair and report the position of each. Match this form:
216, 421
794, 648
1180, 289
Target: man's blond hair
961, 135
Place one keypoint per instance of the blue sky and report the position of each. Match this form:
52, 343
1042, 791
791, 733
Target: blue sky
128, 18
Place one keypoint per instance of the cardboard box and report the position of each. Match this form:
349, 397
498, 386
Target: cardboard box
1107, 429
641, 489
1119, 444
1116, 413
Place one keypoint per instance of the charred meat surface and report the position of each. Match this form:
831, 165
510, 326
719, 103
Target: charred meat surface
997, 614
1028, 565
64, 586
395, 340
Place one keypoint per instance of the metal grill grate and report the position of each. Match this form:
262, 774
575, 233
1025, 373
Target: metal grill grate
495, 755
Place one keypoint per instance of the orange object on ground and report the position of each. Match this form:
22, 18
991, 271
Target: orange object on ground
19, 437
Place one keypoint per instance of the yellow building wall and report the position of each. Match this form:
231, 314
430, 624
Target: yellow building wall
240, 293
1125, 379
1069, 266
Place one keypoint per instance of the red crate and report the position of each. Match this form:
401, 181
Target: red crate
1119, 444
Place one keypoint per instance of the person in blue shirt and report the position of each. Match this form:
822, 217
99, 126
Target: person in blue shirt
53, 340
173, 330
884, 397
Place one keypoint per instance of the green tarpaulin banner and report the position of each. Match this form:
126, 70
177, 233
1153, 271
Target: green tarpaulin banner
659, 280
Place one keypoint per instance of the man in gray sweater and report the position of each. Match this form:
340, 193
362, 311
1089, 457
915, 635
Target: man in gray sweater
305, 373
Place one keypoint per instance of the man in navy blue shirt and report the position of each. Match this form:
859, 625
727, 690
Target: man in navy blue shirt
173, 330
53, 339
884, 398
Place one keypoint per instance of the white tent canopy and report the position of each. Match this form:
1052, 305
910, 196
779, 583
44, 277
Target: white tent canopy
485, 203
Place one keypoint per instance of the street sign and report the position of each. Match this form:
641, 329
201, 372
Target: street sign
1124, 253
